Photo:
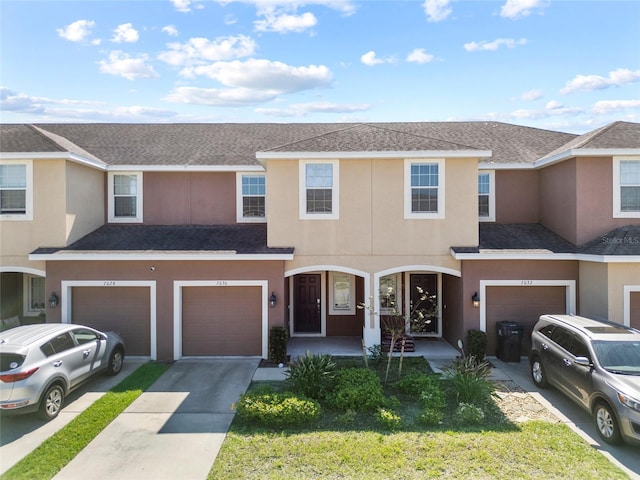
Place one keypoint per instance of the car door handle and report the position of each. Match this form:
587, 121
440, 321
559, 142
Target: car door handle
85, 353
545, 346
57, 363
567, 362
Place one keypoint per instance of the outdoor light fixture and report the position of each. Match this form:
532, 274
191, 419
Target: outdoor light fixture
53, 300
475, 300
272, 300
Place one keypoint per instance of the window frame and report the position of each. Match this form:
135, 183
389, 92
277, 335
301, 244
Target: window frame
492, 196
350, 308
240, 218
28, 195
397, 293
111, 196
27, 296
408, 213
617, 190
335, 191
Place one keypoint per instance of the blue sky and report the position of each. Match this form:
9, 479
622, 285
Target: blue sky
558, 64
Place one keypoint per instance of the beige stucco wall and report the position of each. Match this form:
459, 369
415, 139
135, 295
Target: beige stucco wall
372, 234
84, 208
620, 274
593, 290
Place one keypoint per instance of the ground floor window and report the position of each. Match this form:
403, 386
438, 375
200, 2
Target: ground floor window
34, 297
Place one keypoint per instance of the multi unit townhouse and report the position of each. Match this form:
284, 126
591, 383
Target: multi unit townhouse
195, 239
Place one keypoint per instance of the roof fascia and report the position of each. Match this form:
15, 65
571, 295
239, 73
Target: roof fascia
54, 156
548, 256
377, 154
505, 166
157, 256
185, 168
585, 152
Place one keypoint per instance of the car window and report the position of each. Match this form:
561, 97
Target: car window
546, 330
579, 348
562, 337
82, 335
58, 344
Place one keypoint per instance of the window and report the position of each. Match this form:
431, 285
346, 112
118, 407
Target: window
342, 294
319, 191
424, 189
34, 297
57, 345
486, 197
82, 336
16, 190
125, 197
251, 202
626, 188
390, 295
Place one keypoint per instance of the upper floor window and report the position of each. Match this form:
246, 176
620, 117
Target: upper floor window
16, 190
424, 189
251, 202
319, 189
486, 197
125, 197
626, 187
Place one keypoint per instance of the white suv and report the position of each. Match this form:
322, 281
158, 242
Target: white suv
596, 364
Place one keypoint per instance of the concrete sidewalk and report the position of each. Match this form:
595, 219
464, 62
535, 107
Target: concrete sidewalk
172, 431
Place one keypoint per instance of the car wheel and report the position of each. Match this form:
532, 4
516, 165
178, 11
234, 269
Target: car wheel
51, 403
537, 373
115, 362
606, 424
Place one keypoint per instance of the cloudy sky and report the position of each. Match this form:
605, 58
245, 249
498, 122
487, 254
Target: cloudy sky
570, 65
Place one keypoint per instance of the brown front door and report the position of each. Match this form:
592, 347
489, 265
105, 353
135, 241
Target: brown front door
307, 313
424, 284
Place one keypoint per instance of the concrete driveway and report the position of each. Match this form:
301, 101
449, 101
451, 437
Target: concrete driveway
174, 429
625, 456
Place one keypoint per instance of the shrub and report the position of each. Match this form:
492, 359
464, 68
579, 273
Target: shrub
312, 375
430, 416
357, 389
477, 345
468, 380
278, 338
277, 409
416, 383
388, 419
469, 414
376, 354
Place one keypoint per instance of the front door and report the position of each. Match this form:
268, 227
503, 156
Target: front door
423, 304
307, 314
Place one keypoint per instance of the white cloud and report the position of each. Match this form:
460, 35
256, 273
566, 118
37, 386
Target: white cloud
588, 83
370, 59
531, 95
286, 23
230, 97
437, 10
125, 33
493, 46
346, 7
124, 65
170, 30
185, 6
78, 31
609, 106
515, 9
551, 109
419, 55
200, 50
264, 75
302, 109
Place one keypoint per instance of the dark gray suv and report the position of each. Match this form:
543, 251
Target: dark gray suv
596, 364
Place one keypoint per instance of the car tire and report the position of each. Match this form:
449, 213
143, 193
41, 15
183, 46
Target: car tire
116, 359
51, 402
538, 375
607, 424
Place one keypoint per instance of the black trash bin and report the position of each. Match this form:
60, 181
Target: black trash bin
509, 341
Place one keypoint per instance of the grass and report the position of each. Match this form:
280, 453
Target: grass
355, 446
57, 451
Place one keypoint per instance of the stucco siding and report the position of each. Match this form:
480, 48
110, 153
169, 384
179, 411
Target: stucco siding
619, 276
594, 291
558, 199
516, 196
84, 202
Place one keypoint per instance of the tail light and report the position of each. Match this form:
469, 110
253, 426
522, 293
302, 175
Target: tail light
16, 377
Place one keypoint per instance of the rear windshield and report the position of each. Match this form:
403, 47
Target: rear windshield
620, 357
9, 361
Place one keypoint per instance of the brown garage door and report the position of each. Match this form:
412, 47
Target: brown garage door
522, 305
221, 321
635, 309
121, 309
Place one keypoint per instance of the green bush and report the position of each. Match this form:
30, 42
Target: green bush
312, 375
416, 383
468, 380
477, 345
430, 416
468, 414
376, 354
278, 337
357, 389
266, 407
388, 419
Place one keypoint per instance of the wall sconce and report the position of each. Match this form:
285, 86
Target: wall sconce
475, 300
53, 300
272, 300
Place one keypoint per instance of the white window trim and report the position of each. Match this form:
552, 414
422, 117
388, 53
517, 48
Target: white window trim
28, 214
335, 196
492, 196
397, 293
617, 213
351, 310
240, 218
408, 214
111, 210
26, 297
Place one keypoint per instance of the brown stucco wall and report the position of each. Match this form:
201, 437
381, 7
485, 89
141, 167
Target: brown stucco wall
346, 325
635, 310
517, 196
199, 198
164, 275
558, 199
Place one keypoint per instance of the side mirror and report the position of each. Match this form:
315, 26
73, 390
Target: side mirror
583, 361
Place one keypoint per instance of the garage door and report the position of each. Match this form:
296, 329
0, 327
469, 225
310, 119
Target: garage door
522, 305
635, 309
221, 321
120, 309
